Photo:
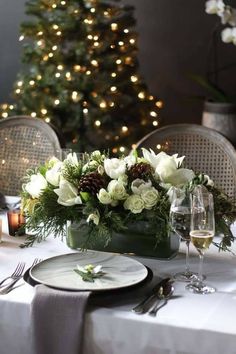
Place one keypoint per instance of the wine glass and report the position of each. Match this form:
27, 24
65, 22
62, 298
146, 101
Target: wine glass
180, 217
202, 231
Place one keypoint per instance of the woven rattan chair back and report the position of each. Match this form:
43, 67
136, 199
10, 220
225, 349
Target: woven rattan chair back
205, 150
25, 143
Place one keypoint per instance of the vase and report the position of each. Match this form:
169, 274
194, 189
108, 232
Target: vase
221, 117
138, 239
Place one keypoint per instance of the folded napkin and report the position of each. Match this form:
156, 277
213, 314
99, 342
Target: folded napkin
57, 320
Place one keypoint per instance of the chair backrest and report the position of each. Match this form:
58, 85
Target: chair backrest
25, 143
205, 150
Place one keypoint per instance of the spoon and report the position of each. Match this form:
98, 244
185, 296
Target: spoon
164, 294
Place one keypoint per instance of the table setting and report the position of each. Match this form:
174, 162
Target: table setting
99, 300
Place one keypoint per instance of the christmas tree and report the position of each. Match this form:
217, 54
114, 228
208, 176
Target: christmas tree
81, 74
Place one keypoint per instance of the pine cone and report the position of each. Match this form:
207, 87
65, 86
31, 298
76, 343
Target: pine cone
140, 170
91, 183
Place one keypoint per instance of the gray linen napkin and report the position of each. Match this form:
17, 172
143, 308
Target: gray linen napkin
57, 320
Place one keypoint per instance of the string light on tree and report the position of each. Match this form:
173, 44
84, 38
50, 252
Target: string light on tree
82, 74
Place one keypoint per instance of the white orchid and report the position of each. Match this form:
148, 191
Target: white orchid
213, 7
228, 35
114, 167
227, 15
36, 185
67, 193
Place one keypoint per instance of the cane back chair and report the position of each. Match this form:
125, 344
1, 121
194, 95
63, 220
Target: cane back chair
205, 150
25, 143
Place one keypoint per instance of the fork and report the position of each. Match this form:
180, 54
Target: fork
18, 268
15, 278
9, 287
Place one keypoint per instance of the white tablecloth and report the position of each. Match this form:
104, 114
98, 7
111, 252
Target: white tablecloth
189, 324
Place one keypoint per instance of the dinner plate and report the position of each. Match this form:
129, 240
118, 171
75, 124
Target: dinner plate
58, 272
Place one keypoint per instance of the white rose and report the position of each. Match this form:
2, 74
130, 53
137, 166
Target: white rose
67, 193
104, 197
53, 175
114, 167
36, 185
123, 179
94, 217
117, 190
134, 203
139, 185
150, 197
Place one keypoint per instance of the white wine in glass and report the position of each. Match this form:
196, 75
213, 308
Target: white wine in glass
202, 231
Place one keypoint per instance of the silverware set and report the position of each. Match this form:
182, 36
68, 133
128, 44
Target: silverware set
158, 297
12, 279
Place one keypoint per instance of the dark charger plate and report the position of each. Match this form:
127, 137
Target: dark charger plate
119, 296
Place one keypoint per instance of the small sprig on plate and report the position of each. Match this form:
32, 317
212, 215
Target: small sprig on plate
90, 272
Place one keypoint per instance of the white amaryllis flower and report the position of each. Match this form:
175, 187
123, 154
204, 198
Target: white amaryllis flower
208, 181
139, 185
53, 175
150, 197
36, 185
104, 197
94, 217
214, 7
117, 190
114, 167
71, 159
134, 203
67, 193
130, 160
167, 168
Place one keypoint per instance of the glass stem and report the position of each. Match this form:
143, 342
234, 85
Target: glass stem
201, 256
187, 258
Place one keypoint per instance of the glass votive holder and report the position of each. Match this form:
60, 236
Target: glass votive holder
16, 222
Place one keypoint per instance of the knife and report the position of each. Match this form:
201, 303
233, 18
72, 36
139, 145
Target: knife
144, 305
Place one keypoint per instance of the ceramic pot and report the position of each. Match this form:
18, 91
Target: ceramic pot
221, 117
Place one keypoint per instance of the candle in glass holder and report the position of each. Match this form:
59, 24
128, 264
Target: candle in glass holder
15, 223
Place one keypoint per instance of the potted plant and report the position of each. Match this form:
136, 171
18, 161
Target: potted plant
219, 111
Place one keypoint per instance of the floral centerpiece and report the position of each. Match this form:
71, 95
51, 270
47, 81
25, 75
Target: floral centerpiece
106, 195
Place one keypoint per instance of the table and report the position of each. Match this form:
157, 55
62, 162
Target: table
189, 324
